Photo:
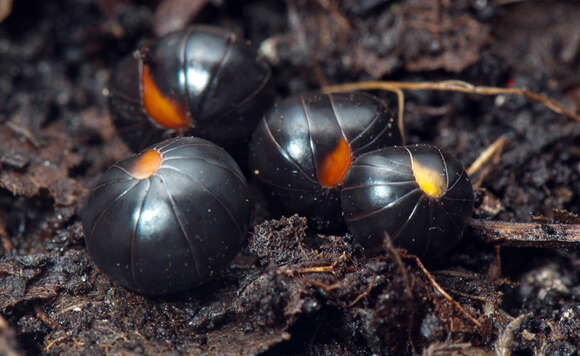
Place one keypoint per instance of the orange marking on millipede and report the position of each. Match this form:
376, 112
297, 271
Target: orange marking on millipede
335, 165
165, 111
146, 165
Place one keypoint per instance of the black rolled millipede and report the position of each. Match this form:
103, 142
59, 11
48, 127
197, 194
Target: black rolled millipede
202, 81
419, 195
167, 219
304, 146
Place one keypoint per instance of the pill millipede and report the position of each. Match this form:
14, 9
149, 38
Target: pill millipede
172, 216
202, 81
167, 219
304, 146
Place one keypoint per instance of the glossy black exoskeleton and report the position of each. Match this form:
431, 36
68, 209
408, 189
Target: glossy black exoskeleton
166, 219
419, 195
202, 81
304, 146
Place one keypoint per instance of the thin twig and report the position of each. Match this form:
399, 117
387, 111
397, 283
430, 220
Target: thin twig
317, 269
365, 293
51, 344
469, 296
401, 114
491, 153
326, 287
453, 85
442, 291
527, 234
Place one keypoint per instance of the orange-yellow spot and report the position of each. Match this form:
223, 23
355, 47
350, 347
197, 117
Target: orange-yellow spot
430, 181
163, 110
146, 165
335, 165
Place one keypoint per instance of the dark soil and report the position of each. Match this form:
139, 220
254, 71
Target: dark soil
291, 290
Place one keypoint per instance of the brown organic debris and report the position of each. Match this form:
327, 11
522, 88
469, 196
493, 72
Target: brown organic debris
459, 38
484, 162
293, 291
46, 165
442, 292
174, 15
456, 86
5, 9
527, 234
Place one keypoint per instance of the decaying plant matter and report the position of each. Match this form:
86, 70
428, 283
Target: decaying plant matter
511, 286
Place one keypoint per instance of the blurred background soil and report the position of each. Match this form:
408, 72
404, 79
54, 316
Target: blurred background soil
292, 290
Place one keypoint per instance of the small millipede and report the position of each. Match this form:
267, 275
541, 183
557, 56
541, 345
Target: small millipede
304, 146
419, 195
190, 82
168, 218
